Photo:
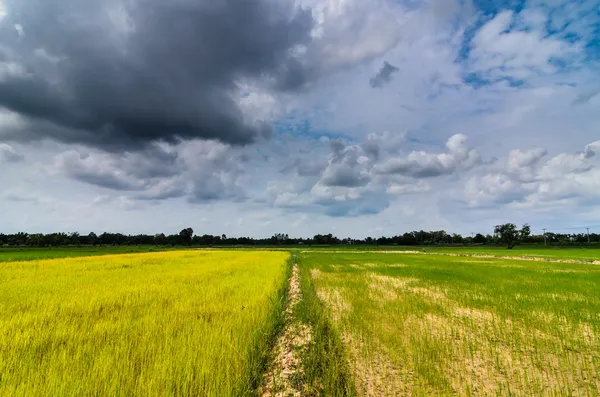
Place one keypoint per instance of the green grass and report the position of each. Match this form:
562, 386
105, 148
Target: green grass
588, 254
202, 322
159, 324
567, 253
326, 372
8, 254
446, 325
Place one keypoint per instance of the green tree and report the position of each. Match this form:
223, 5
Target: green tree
186, 236
510, 235
479, 239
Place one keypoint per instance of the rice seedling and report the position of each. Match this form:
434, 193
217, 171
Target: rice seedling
445, 325
180, 323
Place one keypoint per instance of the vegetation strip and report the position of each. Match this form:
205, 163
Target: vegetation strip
186, 323
483, 256
284, 378
436, 325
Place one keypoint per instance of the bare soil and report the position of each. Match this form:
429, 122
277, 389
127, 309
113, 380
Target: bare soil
285, 376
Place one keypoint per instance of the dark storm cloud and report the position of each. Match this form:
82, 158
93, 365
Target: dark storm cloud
151, 169
384, 76
120, 74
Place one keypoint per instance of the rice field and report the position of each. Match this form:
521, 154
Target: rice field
11, 254
427, 325
186, 323
356, 323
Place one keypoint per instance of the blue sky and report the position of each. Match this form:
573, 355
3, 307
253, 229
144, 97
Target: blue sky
364, 117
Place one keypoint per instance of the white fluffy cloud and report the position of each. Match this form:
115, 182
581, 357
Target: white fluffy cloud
424, 165
501, 49
528, 180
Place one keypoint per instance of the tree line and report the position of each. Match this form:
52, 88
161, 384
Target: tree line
507, 234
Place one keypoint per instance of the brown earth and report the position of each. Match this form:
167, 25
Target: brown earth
284, 377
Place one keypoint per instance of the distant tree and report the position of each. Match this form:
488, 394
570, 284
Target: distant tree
457, 239
160, 239
510, 235
92, 238
74, 238
186, 236
479, 239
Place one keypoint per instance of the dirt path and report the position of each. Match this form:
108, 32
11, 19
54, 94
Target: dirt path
284, 378
466, 254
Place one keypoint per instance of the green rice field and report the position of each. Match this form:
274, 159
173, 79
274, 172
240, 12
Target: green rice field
361, 321
442, 325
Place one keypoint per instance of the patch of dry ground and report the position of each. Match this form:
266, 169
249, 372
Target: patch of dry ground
284, 378
374, 374
335, 302
478, 357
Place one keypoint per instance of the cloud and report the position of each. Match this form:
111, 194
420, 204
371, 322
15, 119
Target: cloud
426, 165
585, 97
495, 189
350, 32
214, 171
503, 49
130, 73
525, 179
348, 167
383, 76
591, 149
19, 29
129, 171
96, 169
19, 195
201, 171
9, 155
522, 164
351, 183
163, 190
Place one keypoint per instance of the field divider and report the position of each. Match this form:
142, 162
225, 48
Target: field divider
285, 375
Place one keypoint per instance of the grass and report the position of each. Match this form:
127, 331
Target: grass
566, 253
203, 322
326, 372
158, 324
589, 254
8, 254
583, 254
446, 325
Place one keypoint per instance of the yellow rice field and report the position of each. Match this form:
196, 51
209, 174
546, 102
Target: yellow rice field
160, 324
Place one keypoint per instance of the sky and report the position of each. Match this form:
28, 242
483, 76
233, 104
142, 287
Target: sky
254, 117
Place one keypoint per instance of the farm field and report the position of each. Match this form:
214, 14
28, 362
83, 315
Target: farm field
8, 254
583, 254
447, 325
169, 323
580, 254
